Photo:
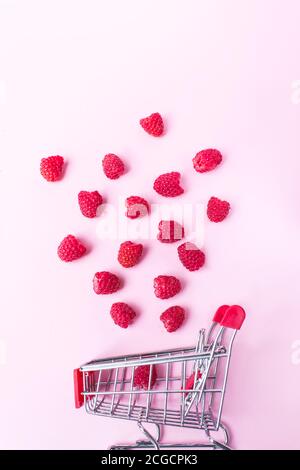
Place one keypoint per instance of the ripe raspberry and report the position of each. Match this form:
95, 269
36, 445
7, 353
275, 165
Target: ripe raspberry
169, 231
136, 207
217, 210
166, 286
70, 249
129, 254
122, 314
172, 318
153, 124
191, 257
207, 160
51, 168
89, 203
168, 184
142, 377
106, 283
189, 384
113, 166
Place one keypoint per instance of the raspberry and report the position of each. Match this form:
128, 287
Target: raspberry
129, 254
122, 314
136, 207
106, 283
217, 210
207, 160
89, 203
172, 318
166, 286
191, 257
169, 231
51, 168
168, 184
189, 384
113, 166
70, 249
153, 124
142, 376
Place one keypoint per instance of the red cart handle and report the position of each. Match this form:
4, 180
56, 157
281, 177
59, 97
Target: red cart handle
78, 388
218, 316
230, 317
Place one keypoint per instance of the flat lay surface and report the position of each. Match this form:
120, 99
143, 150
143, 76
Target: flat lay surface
76, 77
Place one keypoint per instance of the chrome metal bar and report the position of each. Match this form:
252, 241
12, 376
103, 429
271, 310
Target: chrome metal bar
122, 384
145, 445
201, 385
138, 356
213, 378
149, 387
151, 361
131, 388
200, 347
158, 380
203, 407
225, 376
167, 387
150, 392
183, 384
97, 389
114, 392
106, 387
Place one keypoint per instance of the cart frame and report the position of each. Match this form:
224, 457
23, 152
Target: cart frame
106, 386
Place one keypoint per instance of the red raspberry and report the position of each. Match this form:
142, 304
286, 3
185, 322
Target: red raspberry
172, 318
136, 207
70, 249
51, 168
191, 257
106, 283
153, 124
122, 314
189, 384
113, 166
166, 286
207, 160
169, 231
217, 210
129, 254
168, 184
142, 376
89, 203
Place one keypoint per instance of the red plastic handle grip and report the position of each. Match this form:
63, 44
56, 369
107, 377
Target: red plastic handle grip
78, 388
230, 317
218, 316
234, 317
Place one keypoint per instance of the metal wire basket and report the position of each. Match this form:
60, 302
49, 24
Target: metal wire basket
189, 386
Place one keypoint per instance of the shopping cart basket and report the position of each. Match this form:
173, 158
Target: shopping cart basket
188, 391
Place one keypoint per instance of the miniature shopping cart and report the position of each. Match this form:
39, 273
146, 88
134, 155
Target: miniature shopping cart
188, 392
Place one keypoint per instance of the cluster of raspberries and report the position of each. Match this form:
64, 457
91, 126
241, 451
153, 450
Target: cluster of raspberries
131, 253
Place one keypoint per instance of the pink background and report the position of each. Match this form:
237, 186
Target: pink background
75, 78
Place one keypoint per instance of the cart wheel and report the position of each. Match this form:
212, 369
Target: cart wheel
150, 443
221, 445
152, 439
